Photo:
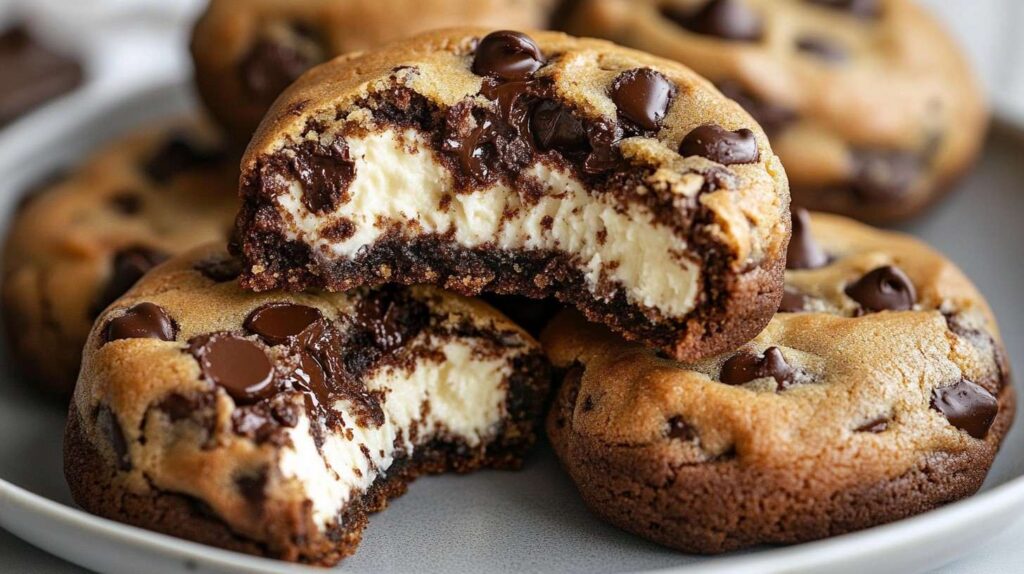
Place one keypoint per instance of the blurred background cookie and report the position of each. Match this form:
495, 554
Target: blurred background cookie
77, 244
872, 107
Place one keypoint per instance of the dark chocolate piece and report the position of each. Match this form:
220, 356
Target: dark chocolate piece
886, 288
178, 154
128, 267
111, 427
884, 175
143, 321
679, 429
272, 65
745, 367
969, 407
238, 365
793, 302
823, 48
31, 74
277, 323
721, 145
726, 19
804, 252
325, 173
773, 118
876, 426
643, 96
220, 269
507, 55
126, 202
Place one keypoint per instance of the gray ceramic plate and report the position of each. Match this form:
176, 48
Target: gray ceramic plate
491, 521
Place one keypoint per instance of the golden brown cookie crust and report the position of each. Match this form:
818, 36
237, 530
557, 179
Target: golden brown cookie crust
230, 32
900, 88
851, 440
159, 437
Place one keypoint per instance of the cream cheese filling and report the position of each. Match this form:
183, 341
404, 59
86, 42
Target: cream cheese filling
399, 181
464, 396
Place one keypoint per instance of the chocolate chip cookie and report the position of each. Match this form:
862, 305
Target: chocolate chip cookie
246, 52
78, 243
274, 423
879, 391
869, 103
537, 165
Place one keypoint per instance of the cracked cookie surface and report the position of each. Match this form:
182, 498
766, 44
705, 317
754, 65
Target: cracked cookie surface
274, 423
880, 391
872, 107
78, 243
523, 164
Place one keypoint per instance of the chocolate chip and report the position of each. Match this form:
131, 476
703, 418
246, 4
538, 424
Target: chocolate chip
679, 429
253, 488
822, 48
325, 173
126, 202
507, 55
727, 19
643, 96
310, 377
804, 252
220, 269
129, 266
721, 145
793, 302
860, 8
180, 407
179, 153
878, 425
967, 406
886, 288
277, 323
884, 175
554, 127
107, 422
773, 118
274, 63
238, 365
143, 321
745, 367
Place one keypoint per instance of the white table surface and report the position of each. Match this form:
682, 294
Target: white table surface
979, 24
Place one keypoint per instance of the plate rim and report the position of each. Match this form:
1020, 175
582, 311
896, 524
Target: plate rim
997, 503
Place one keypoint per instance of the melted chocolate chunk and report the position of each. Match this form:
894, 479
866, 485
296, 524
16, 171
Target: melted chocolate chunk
967, 406
886, 288
643, 96
679, 429
129, 266
726, 19
554, 127
773, 118
721, 145
31, 74
745, 367
143, 321
274, 63
220, 269
823, 48
239, 366
277, 323
265, 421
179, 407
310, 377
793, 302
859, 8
108, 424
179, 153
325, 173
507, 55
804, 252
881, 176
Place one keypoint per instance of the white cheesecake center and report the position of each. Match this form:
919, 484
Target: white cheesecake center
464, 396
400, 181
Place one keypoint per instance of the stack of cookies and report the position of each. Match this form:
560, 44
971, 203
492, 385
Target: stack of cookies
716, 372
